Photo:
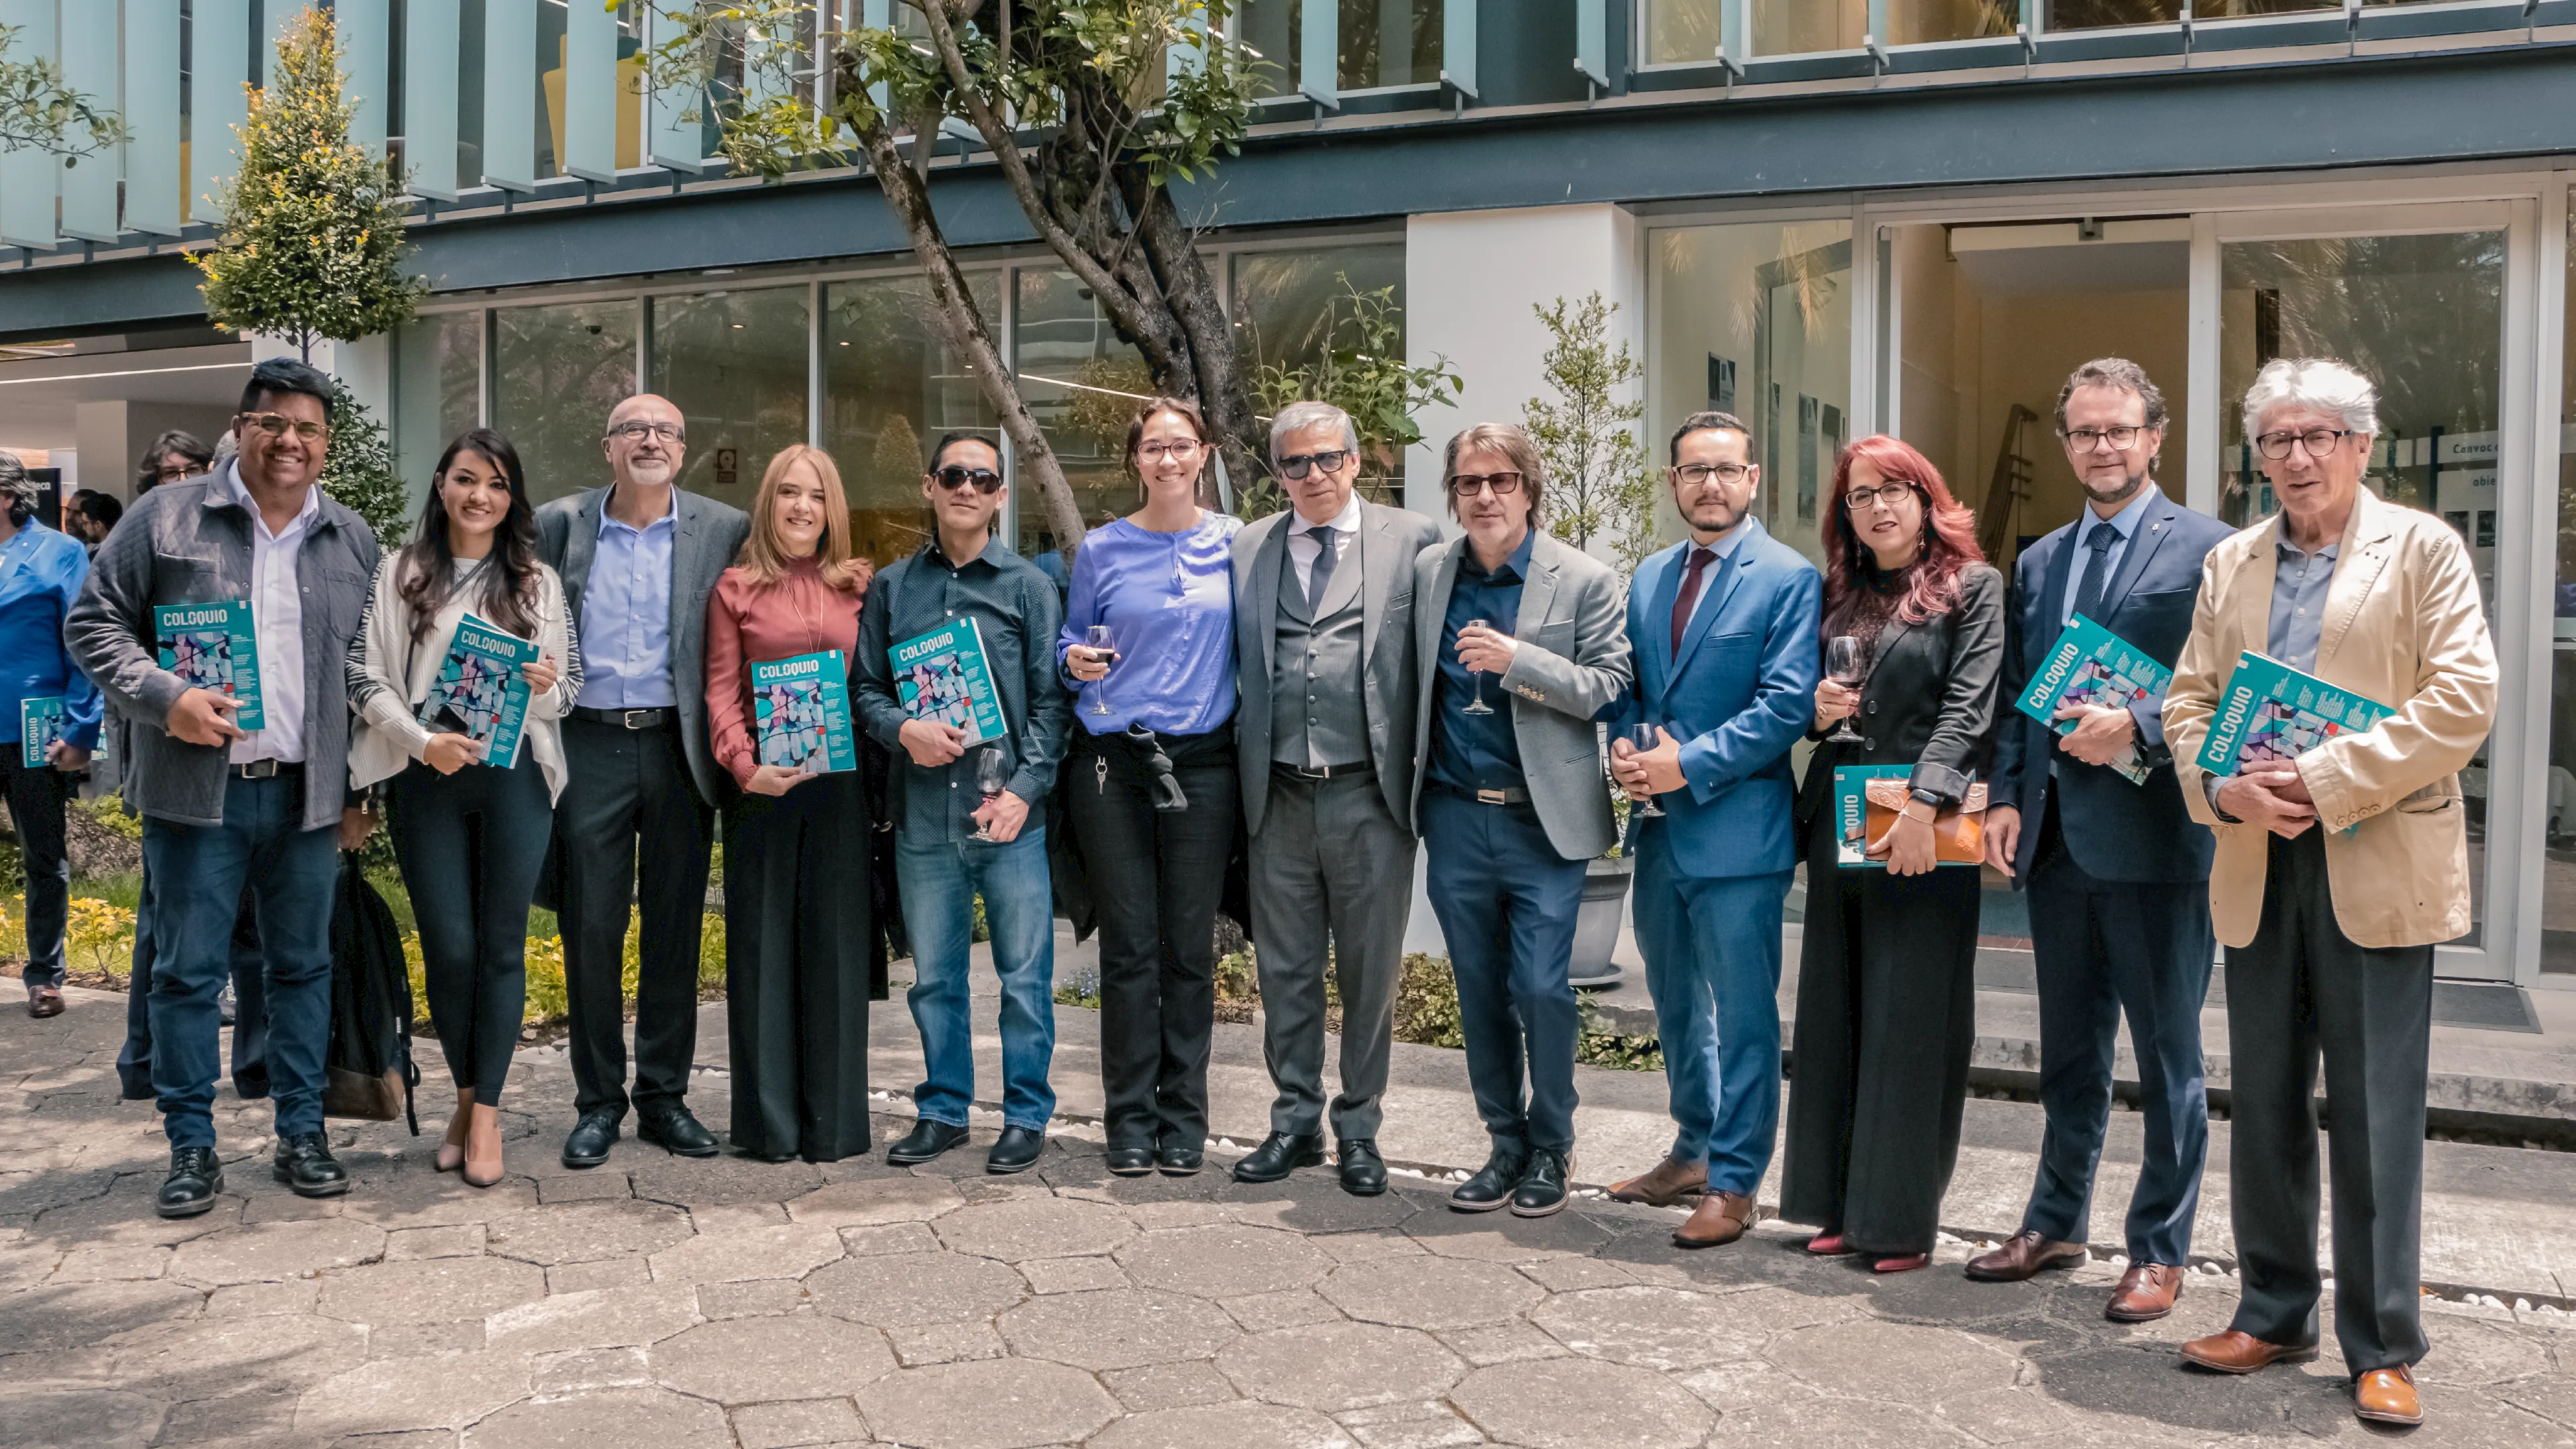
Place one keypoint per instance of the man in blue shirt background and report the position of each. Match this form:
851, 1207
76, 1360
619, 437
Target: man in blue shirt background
40, 572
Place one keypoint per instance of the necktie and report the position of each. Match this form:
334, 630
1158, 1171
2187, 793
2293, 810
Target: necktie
1321, 573
2088, 594
1684, 601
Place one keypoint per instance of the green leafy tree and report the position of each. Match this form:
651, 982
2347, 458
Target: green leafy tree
40, 113
312, 245
1362, 370
358, 470
1600, 481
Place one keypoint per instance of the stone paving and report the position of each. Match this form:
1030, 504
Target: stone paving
663, 1302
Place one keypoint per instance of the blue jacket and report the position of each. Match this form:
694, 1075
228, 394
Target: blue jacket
40, 574
2116, 831
1738, 694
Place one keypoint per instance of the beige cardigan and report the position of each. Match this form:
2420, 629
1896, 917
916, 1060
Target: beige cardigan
389, 676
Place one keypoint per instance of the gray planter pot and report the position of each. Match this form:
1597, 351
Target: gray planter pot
1596, 925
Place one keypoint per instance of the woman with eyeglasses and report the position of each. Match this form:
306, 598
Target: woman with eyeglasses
1886, 968
1148, 648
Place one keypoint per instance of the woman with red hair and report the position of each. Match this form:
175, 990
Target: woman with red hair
1886, 967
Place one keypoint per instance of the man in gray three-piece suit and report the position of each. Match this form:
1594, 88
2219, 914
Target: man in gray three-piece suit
1324, 641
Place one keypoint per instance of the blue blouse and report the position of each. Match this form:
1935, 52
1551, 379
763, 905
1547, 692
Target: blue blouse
1168, 599
40, 572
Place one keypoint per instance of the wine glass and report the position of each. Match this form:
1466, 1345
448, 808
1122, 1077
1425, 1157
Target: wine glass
1642, 736
1847, 666
991, 774
1477, 705
1104, 644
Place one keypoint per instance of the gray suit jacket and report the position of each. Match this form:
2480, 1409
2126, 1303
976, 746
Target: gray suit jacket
1572, 662
1389, 539
707, 536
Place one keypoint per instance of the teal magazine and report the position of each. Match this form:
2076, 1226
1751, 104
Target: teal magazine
210, 646
40, 723
941, 676
2270, 713
1851, 812
2091, 665
802, 709
481, 691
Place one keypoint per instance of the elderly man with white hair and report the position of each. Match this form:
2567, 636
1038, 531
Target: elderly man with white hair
2336, 874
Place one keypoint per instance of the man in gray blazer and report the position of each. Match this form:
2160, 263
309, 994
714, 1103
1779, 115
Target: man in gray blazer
1526, 640
1324, 645
637, 559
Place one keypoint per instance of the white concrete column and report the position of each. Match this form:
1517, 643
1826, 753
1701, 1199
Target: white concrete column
105, 430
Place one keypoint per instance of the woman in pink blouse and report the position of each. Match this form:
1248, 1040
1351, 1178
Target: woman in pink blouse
796, 844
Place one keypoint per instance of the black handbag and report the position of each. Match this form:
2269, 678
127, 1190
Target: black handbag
369, 1073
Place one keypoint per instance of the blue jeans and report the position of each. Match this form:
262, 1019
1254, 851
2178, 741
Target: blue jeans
1712, 949
197, 874
940, 881
1507, 904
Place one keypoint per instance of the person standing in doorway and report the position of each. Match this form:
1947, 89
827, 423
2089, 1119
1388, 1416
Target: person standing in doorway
175, 455
40, 575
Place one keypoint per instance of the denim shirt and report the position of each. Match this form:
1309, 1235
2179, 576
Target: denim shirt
40, 574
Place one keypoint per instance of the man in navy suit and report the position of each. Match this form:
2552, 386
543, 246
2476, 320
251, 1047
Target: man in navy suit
1724, 630
2117, 872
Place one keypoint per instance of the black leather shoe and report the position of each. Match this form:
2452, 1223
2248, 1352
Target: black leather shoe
1492, 1185
1016, 1150
674, 1130
305, 1164
1280, 1154
926, 1140
591, 1138
1131, 1161
1363, 1171
196, 1176
1542, 1191
1177, 1160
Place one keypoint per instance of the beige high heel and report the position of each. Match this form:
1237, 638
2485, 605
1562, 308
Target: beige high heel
451, 1151
483, 1147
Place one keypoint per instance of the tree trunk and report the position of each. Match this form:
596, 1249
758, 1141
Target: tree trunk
1223, 393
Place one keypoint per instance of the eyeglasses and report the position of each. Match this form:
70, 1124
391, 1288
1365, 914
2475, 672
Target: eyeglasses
641, 428
1296, 468
1860, 500
1698, 474
2086, 440
954, 477
278, 425
1180, 450
2318, 442
1468, 485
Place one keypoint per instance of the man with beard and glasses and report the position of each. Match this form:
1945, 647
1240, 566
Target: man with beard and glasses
2117, 871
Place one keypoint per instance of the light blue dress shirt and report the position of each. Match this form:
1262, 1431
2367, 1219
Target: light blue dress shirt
40, 572
2299, 588
2149, 716
1723, 550
626, 615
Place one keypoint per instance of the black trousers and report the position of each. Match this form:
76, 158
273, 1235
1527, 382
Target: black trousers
2301, 992
631, 832
1156, 881
36, 801
470, 845
796, 969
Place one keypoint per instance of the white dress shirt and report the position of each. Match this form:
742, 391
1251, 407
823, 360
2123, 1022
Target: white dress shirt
1303, 549
277, 621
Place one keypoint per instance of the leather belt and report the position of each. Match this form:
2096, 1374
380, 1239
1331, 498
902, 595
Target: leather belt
1513, 796
1323, 772
628, 719
265, 769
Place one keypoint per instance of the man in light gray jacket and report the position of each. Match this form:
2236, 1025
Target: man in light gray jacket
1523, 640
227, 796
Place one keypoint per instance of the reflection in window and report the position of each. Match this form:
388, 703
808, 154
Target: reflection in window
1082, 384
2558, 868
890, 388
551, 54
1681, 31
438, 386
1292, 309
561, 367
1383, 42
1794, 27
734, 364
2091, 14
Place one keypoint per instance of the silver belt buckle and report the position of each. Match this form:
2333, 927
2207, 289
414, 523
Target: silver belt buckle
259, 769
1493, 797
638, 719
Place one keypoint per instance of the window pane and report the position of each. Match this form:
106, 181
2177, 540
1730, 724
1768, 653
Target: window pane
2088, 14
1383, 42
734, 364
1294, 308
1679, 31
1082, 385
891, 387
2558, 870
558, 370
1792, 27
438, 383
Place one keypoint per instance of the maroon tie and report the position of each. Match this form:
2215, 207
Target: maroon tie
1700, 558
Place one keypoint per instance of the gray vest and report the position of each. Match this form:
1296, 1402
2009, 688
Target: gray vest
1317, 716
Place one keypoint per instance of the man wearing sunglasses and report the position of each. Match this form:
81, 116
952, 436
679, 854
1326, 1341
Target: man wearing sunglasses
224, 807
1329, 667
637, 818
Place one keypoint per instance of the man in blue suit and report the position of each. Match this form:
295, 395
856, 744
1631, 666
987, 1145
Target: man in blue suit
1724, 629
2117, 873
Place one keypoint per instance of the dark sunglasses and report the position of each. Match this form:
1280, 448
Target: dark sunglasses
1298, 467
954, 477
1467, 485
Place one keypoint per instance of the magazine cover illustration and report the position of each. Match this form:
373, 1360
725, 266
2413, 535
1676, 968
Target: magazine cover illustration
2090, 665
801, 710
2270, 713
210, 646
480, 691
941, 676
40, 723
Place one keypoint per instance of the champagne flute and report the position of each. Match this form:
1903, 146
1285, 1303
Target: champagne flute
1846, 666
1477, 705
1642, 736
991, 774
1104, 647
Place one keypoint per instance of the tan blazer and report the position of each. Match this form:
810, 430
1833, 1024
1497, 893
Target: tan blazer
2403, 626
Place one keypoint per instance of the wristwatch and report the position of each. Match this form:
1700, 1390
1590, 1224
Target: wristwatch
1928, 797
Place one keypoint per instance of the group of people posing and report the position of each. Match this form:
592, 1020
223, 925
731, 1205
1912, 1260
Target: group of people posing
1315, 695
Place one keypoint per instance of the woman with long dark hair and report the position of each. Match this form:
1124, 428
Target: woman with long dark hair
1886, 966
471, 812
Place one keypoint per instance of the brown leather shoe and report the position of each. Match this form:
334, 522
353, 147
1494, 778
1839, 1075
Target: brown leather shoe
44, 1001
2387, 1396
2146, 1293
1720, 1218
1669, 1183
2242, 1353
2023, 1257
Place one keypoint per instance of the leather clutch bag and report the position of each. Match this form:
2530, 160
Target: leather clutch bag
1958, 833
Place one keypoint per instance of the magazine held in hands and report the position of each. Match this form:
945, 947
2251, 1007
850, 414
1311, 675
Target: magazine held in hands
40, 723
2270, 714
1851, 813
210, 646
941, 676
481, 691
802, 709
2090, 665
